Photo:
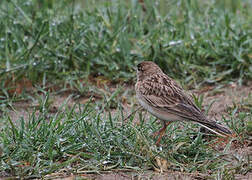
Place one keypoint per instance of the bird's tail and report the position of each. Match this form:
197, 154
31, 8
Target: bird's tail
216, 128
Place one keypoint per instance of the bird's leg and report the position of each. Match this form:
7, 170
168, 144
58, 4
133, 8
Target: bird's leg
161, 132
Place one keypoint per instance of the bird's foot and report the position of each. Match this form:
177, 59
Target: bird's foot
160, 133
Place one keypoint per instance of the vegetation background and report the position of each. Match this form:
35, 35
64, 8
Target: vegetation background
66, 86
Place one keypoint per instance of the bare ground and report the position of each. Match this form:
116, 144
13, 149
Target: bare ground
168, 175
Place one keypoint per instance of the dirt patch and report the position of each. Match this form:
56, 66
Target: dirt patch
142, 175
222, 98
225, 97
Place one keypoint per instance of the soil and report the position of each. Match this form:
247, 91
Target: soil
168, 175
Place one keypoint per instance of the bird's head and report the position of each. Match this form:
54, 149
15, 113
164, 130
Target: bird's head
146, 69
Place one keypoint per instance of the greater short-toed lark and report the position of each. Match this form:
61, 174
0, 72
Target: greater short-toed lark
165, 99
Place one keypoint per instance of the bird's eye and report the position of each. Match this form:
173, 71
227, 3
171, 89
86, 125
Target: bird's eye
139, 67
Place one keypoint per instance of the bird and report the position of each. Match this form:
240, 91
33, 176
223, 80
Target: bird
161, 96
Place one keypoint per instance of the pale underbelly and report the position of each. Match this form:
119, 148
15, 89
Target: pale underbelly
159, 113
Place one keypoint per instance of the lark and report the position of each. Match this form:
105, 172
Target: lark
164, 98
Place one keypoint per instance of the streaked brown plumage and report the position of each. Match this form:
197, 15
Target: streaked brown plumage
165, 99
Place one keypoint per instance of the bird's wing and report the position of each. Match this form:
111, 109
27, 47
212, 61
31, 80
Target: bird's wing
163, 93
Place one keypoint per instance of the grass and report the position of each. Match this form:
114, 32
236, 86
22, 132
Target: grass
200, 42
95, 142
81, 140
49, 48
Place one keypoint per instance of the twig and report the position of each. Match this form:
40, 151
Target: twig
132, 113
141, 2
